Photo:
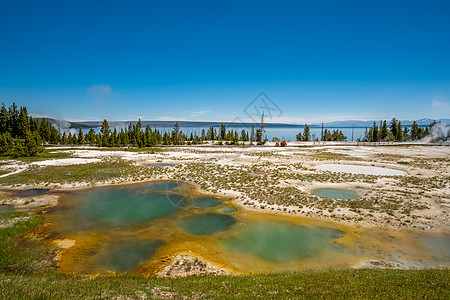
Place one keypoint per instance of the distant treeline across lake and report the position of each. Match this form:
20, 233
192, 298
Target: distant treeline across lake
283, 133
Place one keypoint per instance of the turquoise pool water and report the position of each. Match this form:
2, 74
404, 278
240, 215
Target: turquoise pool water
277, 242
122, 256
206, 224
336, 193
208, 201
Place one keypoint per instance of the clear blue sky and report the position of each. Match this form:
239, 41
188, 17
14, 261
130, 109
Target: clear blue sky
206, 60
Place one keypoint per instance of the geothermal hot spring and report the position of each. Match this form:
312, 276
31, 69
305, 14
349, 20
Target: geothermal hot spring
136, 228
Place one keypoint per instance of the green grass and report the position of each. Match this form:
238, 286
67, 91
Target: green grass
351, 284
11, 259
331, 155
23, 277
44, 155
92, 172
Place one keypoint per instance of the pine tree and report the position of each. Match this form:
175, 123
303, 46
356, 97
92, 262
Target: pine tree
244, 135
69, 138
415, 131
22, 123
105, 132
306, 133
399, 136
383, 131
167, 139
223, 131
394, 128
236, 138
13, 114
176, 134
262, 126
148, 136
6, 144
90, 137
80, 137
374, 132
4, 119
259, 136
327, 135
203, 136
322, 137
406, 135
64, 139
19, 150
31, 146
45, 129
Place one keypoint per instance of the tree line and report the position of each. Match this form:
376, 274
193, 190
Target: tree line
22, 135
384, 132
395, 132
326, 135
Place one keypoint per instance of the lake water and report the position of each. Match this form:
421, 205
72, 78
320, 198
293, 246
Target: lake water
135, 228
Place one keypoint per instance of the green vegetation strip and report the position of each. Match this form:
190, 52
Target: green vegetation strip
12, 260
21, 279
4, 172
106, 170
373, 284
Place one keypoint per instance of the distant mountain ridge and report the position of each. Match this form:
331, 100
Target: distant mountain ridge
170, 124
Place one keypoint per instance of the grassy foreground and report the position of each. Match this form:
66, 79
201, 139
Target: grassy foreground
22, 277
380, 284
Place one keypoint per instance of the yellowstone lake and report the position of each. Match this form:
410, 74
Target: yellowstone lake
137, 228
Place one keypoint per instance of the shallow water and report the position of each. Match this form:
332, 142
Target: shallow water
125, 255
120, 206
31, 192
438, 246
335, 193
206, 201
277, 242
134, 228
206, 224
160, 165
228, 209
